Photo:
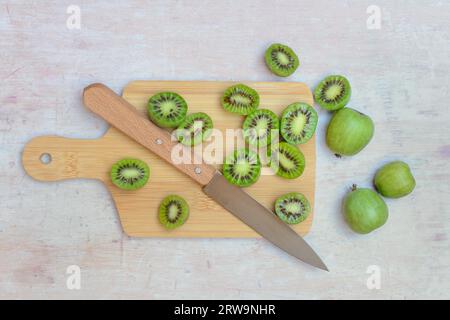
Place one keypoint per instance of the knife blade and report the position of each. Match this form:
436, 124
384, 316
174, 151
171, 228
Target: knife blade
119, 113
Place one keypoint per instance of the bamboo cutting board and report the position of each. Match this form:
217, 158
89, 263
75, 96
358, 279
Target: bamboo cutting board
92, 159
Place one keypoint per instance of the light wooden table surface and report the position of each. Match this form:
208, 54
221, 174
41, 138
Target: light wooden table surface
400, 76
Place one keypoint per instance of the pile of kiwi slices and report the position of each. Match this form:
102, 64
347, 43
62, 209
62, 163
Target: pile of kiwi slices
262, 128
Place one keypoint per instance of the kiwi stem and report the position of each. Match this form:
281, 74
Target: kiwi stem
354, 187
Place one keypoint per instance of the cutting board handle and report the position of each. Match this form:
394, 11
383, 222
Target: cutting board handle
53, 158
121, 114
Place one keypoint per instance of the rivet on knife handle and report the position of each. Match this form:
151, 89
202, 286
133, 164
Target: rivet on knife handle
121, 114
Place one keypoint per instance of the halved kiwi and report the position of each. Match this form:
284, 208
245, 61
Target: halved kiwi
287, 161
197, 127
173, 211
292, 208
130, 174
167, 109
242, 168
333, 92
258, 127
281, 60
240, 99
298, 123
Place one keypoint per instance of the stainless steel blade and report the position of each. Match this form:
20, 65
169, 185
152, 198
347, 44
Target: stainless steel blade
262, 220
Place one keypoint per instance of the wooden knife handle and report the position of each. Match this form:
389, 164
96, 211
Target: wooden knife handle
119, 113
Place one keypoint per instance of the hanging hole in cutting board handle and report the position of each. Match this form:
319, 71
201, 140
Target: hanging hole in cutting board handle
53, 158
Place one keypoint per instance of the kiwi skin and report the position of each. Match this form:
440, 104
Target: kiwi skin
364, 210
394, 180
349, 131
170, 203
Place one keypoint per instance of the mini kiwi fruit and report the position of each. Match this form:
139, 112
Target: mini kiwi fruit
333, 92
167, 109
240, 99
195, 129
298, 123
292, 208
281, 60
258, 126
173, 211
287, 161
242, 168
394, 180
349, 131
130, 174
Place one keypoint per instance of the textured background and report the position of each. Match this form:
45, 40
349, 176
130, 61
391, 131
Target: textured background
400, 77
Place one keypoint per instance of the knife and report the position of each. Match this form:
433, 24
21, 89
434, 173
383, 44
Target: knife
121, 114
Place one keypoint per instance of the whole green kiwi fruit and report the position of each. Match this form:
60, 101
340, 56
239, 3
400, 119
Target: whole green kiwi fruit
394, 180
349, 131
364, 210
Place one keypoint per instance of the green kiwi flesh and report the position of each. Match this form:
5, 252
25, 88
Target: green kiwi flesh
130, 174
292, 208
258, 127
298, 123
173, 212
240, 99
281, 60
333, 92
242, 168
195, 129
167, 109
287, 161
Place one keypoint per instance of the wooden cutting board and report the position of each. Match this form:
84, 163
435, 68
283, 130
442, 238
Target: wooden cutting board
92, 159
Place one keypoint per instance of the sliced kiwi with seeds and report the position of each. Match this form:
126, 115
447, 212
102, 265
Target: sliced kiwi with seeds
240, 99
258, 127
281, 60
130, 174
195, 129
292, 208
242, 168
173, 211
167, 109
287, 161
298, 123
333, 92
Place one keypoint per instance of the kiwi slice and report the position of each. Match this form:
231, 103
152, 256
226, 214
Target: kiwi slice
298, 123
240, 99
281, 60
197, 127
287, 161
242, 168
258, 127
333, 92
173, 211
167, 109
292, 208
130, 174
